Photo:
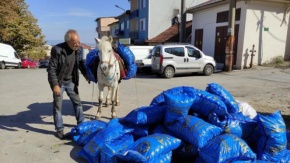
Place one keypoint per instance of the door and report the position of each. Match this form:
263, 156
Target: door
220, 44
194, 59
198, 38
176, 57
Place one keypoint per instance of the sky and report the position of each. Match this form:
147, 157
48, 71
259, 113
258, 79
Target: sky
55, 17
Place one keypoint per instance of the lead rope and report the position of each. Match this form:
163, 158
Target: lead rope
136, 88
91, 117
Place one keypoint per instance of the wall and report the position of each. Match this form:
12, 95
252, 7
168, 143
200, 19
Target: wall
163, 11
268, 44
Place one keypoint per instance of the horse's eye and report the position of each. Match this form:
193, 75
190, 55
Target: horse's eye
110, 51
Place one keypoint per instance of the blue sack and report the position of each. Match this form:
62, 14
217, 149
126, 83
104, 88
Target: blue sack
224, 95
91, 65
194, 130
129, 59
226, 148
150, 147
272, 142
206, 103
145, 115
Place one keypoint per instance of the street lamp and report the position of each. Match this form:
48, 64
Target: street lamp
120, 8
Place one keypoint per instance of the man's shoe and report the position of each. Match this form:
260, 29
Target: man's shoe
60, 134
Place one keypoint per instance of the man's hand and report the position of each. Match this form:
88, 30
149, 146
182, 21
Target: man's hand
56, 90
87, 79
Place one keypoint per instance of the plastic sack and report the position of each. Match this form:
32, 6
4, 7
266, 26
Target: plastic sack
226, 148
129, 60
178, 104
91, 65
114, 130
145, 115
206, 103
224, 95
160, 100
272, 142
150, 147
288, 138
85, 129
247, 110
194, 130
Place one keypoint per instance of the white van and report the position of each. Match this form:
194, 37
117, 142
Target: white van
140, 52
8, 57
170, 59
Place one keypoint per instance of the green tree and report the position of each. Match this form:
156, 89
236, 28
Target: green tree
19, 28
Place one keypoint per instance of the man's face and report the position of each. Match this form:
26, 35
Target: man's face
74, 42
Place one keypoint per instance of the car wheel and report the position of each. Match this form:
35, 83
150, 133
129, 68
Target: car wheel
2, 66
208, 70
19, 66
168, 72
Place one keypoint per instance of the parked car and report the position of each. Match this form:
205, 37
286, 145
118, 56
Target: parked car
8, 57
43, 63
28, 63
170, 59
144, 65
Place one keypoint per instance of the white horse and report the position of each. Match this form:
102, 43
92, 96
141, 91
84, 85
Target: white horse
108, 75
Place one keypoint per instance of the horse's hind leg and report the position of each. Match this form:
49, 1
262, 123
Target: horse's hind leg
108, 98
101, 94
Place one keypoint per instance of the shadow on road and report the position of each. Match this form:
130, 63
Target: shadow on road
35, 115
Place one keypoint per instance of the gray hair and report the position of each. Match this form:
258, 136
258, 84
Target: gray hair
67, 36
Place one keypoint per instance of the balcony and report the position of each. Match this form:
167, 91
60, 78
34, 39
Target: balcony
119, 32
134, 14
134, 34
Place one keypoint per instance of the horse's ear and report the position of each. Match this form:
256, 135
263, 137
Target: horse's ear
111, 39
97, 40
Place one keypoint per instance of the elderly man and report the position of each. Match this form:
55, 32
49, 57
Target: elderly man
63, 76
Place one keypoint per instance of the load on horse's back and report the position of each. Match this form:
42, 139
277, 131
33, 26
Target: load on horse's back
108, 74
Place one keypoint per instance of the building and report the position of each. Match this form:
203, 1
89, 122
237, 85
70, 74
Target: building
103, 28
263, 24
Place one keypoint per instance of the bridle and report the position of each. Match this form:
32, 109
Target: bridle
111, 77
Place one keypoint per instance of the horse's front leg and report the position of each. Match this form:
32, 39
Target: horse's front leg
108, 98
117, 96
113, 111
101, 97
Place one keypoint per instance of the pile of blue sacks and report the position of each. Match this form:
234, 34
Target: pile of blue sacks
185, 124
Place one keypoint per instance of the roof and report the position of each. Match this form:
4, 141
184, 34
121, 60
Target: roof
170, 34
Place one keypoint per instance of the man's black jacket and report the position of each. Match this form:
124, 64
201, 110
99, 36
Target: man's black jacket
57, 65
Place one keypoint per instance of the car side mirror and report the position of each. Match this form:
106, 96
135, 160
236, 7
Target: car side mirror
197, 54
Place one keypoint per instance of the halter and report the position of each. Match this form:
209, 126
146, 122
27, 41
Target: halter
110, 78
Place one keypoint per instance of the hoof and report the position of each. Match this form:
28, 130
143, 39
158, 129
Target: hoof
117, 103
107, 104
98, 116
114, 115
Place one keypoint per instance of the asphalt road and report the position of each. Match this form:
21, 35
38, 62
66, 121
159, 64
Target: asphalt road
26, 123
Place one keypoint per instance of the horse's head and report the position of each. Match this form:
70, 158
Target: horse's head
106, 52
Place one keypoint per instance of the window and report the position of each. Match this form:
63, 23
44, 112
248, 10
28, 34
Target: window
143, 4
122, 26
191, 52
222, 17
142, 25
156, 52
128, 24
178, 51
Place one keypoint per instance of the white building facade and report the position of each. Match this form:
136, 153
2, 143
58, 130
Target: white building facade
264, 24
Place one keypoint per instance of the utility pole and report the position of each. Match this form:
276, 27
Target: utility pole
231, 36
183, 21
